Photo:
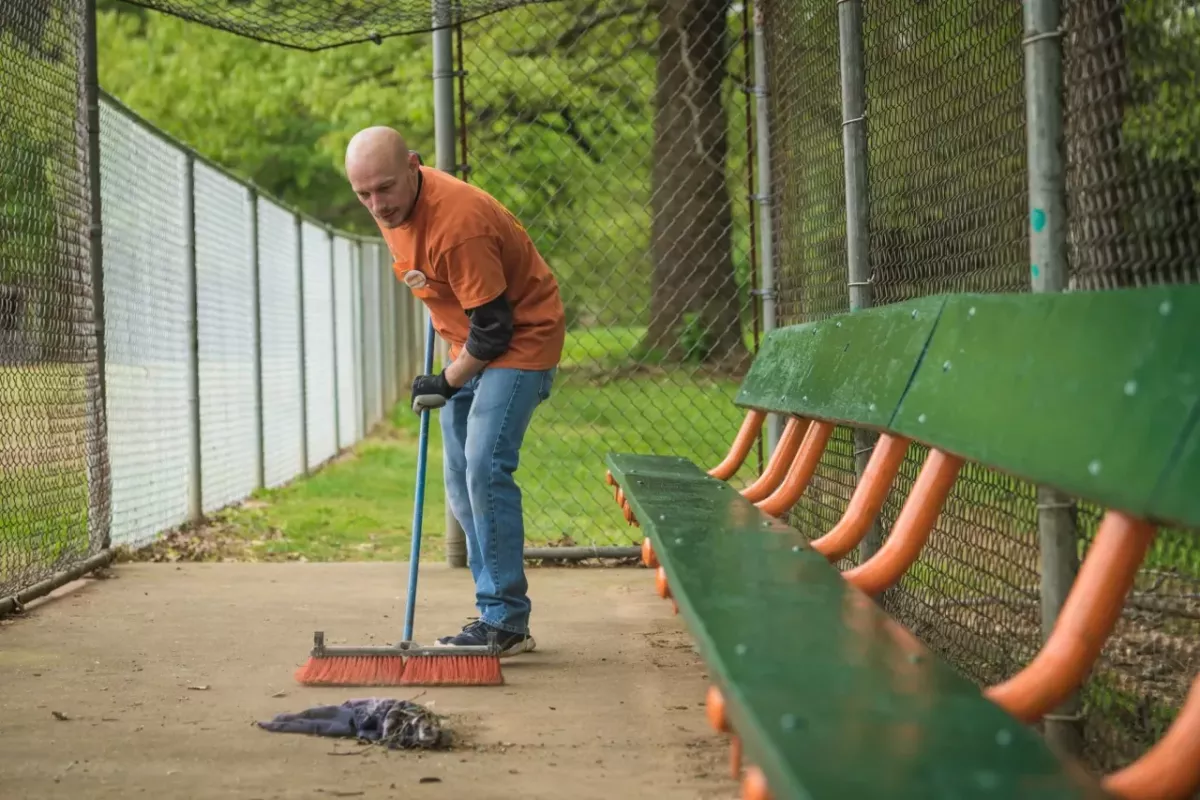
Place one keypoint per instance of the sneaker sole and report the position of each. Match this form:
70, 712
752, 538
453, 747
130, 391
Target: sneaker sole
526, 645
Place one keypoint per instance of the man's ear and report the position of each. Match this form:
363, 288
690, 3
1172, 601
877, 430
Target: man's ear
415, 158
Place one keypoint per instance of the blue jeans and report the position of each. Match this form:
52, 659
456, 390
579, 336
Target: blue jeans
483, 426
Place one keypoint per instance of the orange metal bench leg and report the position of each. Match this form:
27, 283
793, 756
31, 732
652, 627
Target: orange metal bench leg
754, 785
868, 499
1170, 770
747, 435
648, 557
1085, 622
781, 459
912, 527
801, 471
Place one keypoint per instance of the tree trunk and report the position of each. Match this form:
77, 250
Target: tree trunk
692, 222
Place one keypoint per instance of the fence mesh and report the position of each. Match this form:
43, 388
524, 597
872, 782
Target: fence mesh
228, 358
387, 326
616, 133
947, 189
1132, 84
344, 255
320, 389
282, 376
370, 337
147, 334
809, 208
49, 439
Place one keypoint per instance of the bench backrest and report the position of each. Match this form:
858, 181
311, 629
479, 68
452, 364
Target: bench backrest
1095, 393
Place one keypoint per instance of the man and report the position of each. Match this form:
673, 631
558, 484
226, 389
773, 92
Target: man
492, 297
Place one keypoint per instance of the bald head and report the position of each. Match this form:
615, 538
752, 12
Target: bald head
383, 173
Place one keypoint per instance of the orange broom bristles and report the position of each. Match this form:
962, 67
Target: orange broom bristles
429, 670
452, 670
352, 671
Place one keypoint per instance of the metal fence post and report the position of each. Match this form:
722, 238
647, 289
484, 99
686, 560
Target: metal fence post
100, 481
195, 480
455, 540
766, 233
1057, 529
854, 148
299, 225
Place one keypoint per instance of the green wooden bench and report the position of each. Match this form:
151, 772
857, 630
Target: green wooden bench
1096, 394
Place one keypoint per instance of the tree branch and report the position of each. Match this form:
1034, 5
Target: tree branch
536, 117
589, 21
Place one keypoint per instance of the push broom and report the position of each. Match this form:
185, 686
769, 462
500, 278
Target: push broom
405, 663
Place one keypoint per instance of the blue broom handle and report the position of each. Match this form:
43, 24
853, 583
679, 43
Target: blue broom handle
418, 510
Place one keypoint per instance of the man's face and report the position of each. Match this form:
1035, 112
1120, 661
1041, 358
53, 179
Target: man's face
386, 185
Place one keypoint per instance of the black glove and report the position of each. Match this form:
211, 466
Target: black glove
431, 391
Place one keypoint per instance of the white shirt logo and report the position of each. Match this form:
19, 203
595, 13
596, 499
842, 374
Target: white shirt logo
414, 279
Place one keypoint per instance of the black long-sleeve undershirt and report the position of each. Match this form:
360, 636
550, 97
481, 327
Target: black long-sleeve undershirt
491, 329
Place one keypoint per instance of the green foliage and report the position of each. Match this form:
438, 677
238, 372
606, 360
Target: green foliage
278, 117
559, 120
43, 213
1163, 46
695, 339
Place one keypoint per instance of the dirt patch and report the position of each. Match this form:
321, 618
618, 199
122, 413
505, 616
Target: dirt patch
151, 682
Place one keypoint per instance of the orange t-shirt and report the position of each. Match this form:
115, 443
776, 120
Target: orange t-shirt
469, 249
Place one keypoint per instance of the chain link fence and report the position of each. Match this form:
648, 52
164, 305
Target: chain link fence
235, 333
235, 328
619, 132
225, 312
947, 205
1131, 78
53, 503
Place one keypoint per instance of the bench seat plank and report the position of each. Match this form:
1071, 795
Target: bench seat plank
830, 695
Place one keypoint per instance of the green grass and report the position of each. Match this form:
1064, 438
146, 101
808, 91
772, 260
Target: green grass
360, 506
43, 470
612, 347
600, 346
562, 468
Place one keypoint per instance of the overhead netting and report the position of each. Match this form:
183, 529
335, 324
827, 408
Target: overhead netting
318, 24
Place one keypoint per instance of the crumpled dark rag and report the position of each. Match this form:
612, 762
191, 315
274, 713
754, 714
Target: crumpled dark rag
395, 723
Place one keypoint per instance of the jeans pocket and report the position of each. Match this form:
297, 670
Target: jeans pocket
546, 383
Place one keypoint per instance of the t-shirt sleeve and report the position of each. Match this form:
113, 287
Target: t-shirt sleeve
475, 271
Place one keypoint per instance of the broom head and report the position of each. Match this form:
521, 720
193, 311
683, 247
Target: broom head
404, 664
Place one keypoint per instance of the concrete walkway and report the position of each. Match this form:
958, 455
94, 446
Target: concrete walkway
162, 670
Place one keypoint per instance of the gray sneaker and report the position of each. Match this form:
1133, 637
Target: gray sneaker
476, 633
